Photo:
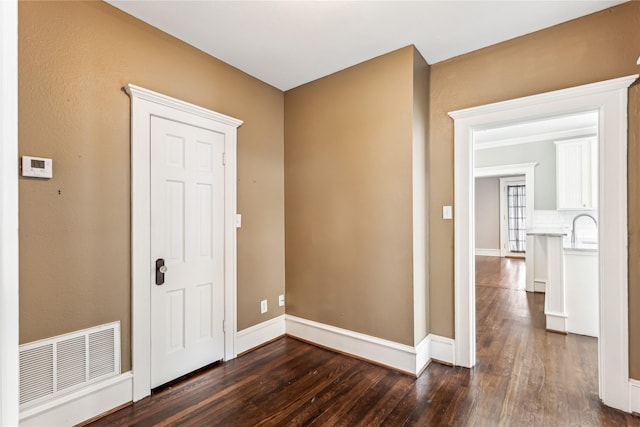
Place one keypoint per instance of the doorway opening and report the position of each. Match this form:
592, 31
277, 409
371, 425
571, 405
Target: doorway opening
510, 319
609, 98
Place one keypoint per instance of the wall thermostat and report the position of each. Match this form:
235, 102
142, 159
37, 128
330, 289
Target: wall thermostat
37, 167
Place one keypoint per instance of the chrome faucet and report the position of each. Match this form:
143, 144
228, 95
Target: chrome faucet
573, 227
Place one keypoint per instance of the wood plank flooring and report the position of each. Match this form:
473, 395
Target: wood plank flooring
525, 376
509, 273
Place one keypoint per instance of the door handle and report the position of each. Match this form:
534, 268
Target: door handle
160, 270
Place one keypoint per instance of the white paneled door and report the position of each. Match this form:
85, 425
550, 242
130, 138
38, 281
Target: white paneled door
187, 246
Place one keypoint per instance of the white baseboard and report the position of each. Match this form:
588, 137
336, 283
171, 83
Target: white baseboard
539, 285
409, 359
259, 334
556, 321
423, 356
487, 252
384, 352
82, 404
442, 349
634, 396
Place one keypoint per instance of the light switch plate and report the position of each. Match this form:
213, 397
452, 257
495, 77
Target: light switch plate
447, 212
238, 220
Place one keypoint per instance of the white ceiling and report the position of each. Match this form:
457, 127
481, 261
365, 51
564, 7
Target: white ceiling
289, 43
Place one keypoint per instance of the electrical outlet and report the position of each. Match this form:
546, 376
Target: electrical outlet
281, 300
263, 306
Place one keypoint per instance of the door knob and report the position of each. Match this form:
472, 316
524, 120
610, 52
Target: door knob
160, 270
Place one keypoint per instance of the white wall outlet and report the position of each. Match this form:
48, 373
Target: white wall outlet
281, 300
238, 220
263, 306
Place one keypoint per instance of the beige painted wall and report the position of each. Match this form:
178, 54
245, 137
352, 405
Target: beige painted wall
541, 152
420, 197
348, 198
74, 58
594, 48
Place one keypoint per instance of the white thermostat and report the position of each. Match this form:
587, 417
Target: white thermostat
37, 167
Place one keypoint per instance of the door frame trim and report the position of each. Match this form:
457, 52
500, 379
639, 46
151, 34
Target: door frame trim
9, 381
610, 99
144, 104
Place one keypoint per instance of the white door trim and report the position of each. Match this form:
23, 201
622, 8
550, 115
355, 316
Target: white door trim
610, 99
9, 383
144, 104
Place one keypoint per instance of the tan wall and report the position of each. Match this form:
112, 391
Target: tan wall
348, 198
420, 197
74, 58
594, 48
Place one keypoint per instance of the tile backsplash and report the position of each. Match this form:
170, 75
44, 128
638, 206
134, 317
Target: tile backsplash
561, 220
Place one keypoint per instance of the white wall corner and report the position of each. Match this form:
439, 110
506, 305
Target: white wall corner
634, 396
259, 334
82, 404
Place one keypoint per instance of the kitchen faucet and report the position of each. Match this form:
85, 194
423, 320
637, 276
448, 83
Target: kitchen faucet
573, 227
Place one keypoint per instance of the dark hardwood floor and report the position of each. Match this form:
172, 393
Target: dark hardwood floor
525, 376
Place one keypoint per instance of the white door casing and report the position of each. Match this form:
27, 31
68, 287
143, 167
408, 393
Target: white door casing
609, 98
146, 104
187, 233
9, 382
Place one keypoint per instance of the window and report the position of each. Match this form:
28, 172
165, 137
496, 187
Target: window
516, 221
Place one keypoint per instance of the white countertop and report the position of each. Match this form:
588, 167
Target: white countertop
548, 232
555, 232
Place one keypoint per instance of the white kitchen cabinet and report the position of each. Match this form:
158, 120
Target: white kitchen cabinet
577, 174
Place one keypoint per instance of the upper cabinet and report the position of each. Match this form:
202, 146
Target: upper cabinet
577, 174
